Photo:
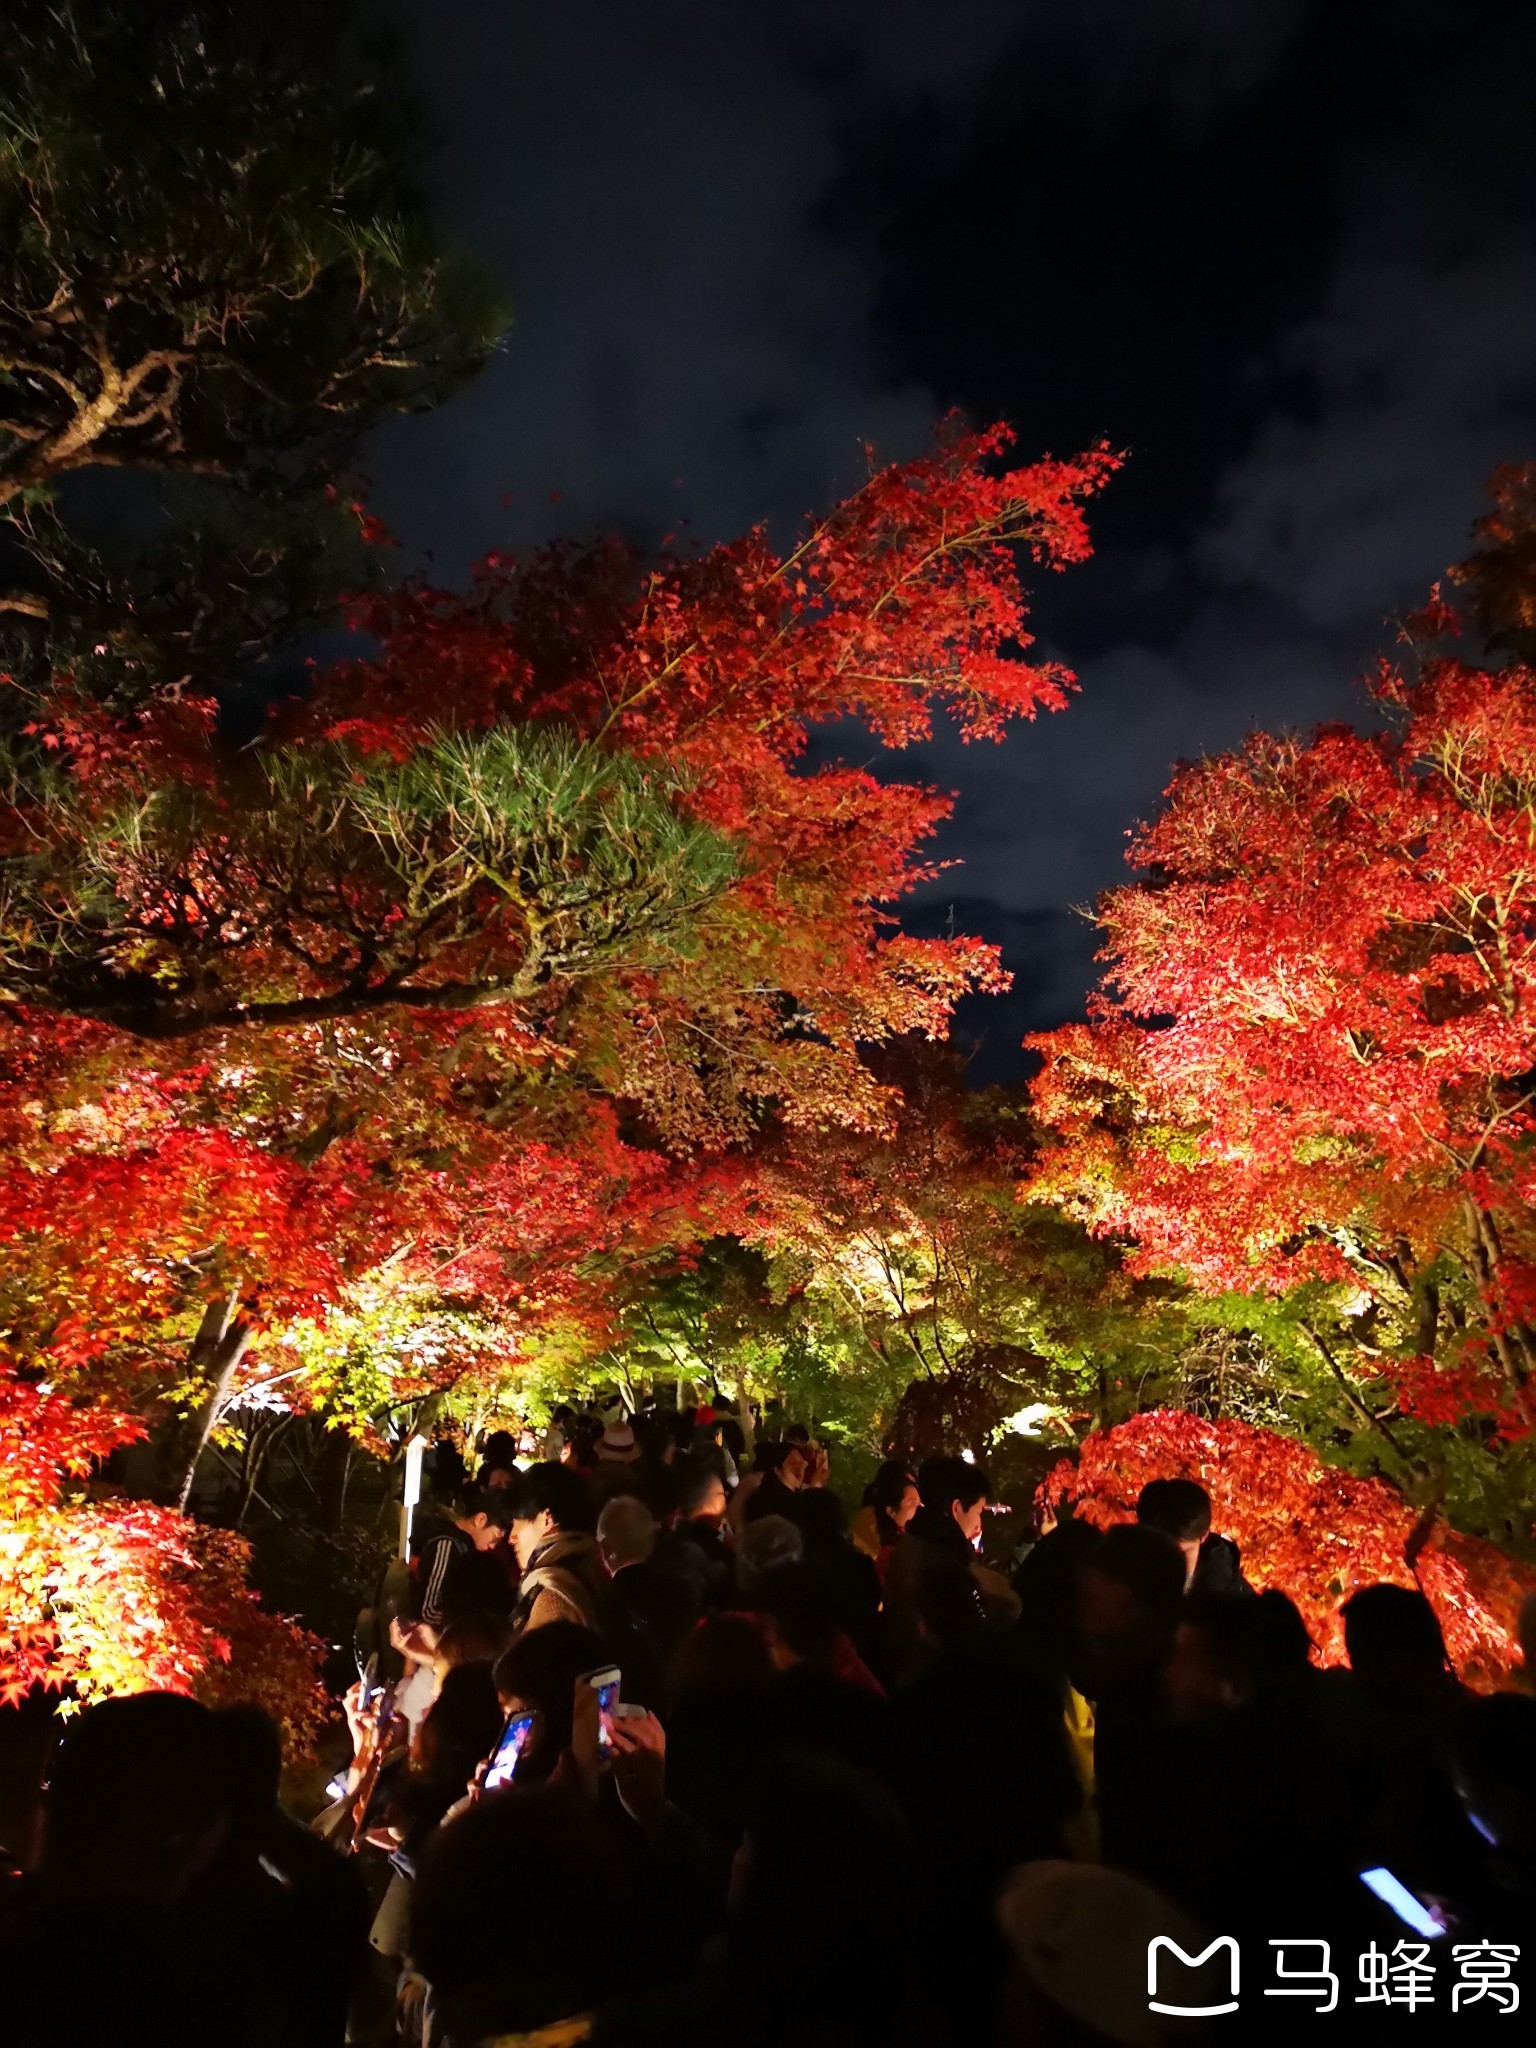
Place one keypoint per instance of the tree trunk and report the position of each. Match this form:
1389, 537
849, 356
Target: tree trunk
1423, 1529
335, 1468
217, 1350
1512, 1342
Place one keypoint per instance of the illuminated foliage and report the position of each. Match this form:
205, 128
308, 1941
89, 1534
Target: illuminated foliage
975, 1305
112, 1595
474, 970
1316, 1533
1310, 1060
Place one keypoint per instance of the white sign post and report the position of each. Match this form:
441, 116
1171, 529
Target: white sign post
415, 1451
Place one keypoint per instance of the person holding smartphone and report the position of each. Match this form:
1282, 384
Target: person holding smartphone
538, 1677
501, 1767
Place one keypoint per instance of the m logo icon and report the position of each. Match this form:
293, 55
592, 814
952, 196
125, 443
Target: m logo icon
1190, 2012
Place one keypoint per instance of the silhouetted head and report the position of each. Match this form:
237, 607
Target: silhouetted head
796, 1601
538, 1675
725, 1649
1229, 1648
504, 1913
826, 1882
765, 1546
822, 1520
470, 1639
251, 1747
1180, 1508
701, 1493
1394, 1643
1047, 1585
136, 1797
1136, 1571
626, 1532
1282, 1642
460, 1728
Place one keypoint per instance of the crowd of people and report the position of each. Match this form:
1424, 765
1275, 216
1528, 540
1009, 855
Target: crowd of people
764, 1774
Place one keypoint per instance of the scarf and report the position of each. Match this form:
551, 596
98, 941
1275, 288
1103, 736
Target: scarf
567, 1566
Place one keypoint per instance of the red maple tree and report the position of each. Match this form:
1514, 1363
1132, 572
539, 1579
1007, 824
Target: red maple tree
1311, 1054
1315, 1532
480, 954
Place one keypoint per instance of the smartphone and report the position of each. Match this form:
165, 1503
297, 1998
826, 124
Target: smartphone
514, 1740
1410, 1910
605, 1683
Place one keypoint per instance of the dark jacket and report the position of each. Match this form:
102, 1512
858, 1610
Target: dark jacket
699, 1555
1219, 1568
657, 1606
439, 1554
772, 1497
929, 1586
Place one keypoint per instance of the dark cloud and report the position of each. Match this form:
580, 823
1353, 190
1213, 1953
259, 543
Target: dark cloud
692, 337
1307, 303
1281, 251
1423, 377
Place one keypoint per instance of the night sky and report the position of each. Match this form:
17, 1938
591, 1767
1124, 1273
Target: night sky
1280, 250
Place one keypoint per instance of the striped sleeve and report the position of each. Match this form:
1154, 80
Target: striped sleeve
443, 1552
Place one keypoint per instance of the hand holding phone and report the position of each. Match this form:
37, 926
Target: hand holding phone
360, 1707
605, 1682
1408, 1907
514, 1740
638, 1751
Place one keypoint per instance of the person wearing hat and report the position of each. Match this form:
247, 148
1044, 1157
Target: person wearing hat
616, 1445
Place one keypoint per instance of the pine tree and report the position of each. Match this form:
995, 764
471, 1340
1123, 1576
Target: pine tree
215, 276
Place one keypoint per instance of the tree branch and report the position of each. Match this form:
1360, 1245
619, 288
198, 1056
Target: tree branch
139, 1022
1367, 1415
